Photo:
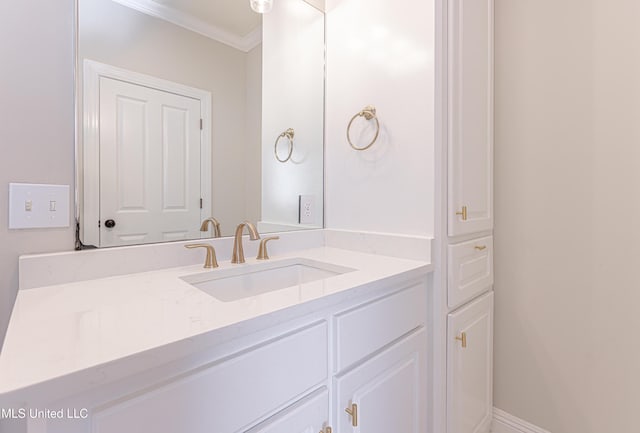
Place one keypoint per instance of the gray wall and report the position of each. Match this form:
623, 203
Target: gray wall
567, 202
36, 123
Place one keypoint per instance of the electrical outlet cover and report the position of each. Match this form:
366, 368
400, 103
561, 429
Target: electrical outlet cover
306, 209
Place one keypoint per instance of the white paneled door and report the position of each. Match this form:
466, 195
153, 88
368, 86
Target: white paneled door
149, 164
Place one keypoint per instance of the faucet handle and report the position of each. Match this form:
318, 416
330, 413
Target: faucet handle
262, 249
210, 260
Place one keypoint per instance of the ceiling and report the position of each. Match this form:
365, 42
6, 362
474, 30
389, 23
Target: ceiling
231, 22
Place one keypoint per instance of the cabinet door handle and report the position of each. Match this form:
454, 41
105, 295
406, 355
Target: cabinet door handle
353, 411
463, 213
480, 247
463, 339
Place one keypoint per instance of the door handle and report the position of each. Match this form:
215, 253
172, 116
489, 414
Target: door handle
353, 411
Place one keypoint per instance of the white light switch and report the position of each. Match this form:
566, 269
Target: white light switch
38, 206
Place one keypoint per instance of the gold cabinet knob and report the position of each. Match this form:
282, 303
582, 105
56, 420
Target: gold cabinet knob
353, 411
463, 338
463, 213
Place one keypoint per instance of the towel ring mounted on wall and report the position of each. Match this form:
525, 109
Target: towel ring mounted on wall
368, 112
289, 134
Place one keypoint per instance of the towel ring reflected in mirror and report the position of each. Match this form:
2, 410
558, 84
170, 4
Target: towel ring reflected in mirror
288, 134
369, 113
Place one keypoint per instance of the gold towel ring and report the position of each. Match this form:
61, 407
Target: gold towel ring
289, 133
368, 112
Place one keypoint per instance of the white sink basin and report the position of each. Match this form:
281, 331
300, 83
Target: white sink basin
250, 280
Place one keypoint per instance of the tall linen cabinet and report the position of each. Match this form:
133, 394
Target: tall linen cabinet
463, 313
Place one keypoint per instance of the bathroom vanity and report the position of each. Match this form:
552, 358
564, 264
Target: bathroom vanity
151, 351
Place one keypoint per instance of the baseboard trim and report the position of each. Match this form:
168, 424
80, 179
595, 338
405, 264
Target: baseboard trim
504, 422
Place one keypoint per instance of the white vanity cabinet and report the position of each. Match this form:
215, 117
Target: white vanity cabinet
470, 367
368, 349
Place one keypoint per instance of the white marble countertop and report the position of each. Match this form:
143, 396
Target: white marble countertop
56, 331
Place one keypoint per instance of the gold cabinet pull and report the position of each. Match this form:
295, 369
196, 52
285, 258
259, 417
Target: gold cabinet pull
463, 339
463, 213
480, 247
353, 411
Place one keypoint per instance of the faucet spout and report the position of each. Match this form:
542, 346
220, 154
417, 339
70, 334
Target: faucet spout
238, 251
216, 226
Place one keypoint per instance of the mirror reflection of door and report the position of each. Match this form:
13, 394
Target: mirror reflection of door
148, 138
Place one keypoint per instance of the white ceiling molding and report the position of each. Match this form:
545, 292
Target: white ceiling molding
190, 22
321, 5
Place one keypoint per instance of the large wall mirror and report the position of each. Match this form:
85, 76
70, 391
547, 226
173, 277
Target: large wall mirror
196, 110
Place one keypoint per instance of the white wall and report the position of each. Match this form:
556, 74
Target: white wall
567, 203
36, 130
117, 35
381, 52
293, 97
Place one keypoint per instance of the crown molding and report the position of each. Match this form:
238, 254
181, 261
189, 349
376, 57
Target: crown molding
190, 22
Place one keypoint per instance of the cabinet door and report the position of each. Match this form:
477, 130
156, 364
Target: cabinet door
470, 367
470, 116
310, 415
388, 391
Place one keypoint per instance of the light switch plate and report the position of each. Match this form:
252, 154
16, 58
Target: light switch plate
38, 206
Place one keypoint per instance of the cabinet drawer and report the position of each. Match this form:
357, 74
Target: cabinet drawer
261, 380
310, 414
367, 328
470, 270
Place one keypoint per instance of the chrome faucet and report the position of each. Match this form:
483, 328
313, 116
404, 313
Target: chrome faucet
238, 252
216, 226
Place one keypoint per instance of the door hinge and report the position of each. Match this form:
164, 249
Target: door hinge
99, 223
201, 122
200, 203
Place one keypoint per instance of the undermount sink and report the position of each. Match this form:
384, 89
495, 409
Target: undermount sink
255, 279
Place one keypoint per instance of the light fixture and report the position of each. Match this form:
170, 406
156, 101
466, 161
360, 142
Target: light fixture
261, 6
